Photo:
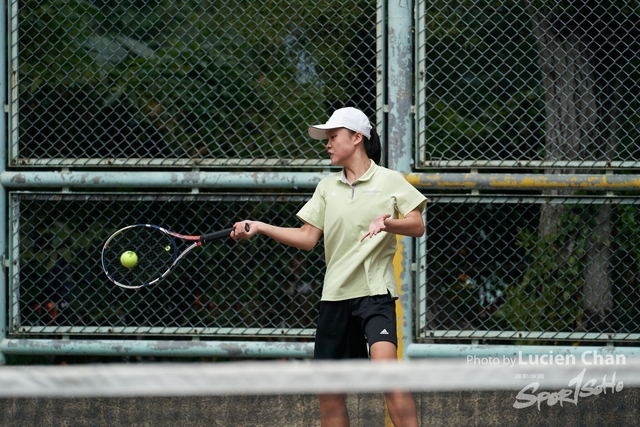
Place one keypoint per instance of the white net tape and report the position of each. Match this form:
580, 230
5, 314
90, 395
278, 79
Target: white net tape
289, 377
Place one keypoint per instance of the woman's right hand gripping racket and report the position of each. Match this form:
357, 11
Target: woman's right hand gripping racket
143, 254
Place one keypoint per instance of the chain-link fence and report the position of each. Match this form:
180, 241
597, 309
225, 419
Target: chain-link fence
548, 269
126, 84
184, 83
223, 288
528, 83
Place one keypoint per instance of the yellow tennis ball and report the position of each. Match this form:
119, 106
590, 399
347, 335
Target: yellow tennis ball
129, 259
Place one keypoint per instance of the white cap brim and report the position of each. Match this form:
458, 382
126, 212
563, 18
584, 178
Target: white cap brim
319, 131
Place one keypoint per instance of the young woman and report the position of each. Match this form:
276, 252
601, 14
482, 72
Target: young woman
359, 210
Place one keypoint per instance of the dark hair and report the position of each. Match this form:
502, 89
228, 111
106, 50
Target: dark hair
372, 146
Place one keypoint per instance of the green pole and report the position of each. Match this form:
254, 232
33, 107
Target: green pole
3, 167
400, 143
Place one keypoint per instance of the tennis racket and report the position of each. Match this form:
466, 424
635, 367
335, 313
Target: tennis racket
143, 254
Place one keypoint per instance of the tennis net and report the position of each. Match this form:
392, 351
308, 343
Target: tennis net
310, 377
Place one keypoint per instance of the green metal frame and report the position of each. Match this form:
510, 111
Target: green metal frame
395, 113
3, 192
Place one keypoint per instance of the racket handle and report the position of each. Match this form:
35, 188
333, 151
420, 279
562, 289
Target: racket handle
219, 234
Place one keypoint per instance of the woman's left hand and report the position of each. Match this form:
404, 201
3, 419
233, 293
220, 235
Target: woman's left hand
376, 226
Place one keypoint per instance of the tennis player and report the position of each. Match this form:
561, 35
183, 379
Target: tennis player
359, 210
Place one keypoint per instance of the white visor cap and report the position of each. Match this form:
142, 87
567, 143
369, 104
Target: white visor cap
348, 117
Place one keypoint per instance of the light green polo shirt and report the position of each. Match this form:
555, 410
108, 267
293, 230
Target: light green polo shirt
343, 212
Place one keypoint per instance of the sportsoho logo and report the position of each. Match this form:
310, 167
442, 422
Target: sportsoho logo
580, 386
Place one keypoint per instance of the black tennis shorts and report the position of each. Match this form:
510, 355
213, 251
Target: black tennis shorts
345, 327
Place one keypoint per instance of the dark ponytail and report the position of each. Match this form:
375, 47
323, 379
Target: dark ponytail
372, 146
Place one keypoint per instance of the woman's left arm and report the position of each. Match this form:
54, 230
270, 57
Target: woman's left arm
411, 225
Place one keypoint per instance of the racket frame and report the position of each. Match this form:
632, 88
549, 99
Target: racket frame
197, 241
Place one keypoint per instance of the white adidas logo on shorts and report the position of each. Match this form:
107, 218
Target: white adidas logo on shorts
384, 332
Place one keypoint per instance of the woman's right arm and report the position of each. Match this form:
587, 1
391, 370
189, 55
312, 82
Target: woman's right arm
305, 237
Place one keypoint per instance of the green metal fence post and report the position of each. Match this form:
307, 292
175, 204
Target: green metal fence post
400, 139
3, 163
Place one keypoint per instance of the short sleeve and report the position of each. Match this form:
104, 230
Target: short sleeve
313, 211
408, 197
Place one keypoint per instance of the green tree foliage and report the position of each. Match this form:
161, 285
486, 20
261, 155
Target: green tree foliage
482, 83
184, 78
548, 296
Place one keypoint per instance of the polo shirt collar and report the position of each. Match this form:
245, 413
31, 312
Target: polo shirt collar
367, 175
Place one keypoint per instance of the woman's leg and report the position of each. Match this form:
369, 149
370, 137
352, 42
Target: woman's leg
402, 407
333, 410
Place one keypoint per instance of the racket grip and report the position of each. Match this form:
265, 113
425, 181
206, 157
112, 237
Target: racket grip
219, 234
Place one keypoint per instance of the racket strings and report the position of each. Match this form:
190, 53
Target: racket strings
155, 250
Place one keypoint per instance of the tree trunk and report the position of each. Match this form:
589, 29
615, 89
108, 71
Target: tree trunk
582, 122
596, 290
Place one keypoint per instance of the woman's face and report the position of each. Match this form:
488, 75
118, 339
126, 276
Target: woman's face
341, 144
